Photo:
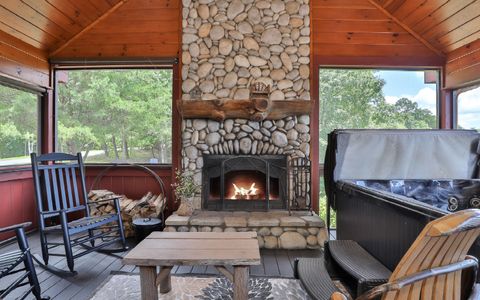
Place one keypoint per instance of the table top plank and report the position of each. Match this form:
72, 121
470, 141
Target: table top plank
199, 244
196, 248
202, 235
171, 257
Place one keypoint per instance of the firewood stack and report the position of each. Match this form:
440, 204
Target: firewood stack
149, 206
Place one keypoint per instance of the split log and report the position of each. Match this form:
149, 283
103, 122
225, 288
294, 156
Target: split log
149, 206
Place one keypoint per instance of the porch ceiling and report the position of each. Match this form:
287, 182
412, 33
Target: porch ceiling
400, 27
445, 24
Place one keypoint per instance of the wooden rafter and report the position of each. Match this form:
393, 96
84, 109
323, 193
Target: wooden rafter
407, 28
87, 28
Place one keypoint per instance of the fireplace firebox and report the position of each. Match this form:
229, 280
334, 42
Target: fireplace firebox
244, 182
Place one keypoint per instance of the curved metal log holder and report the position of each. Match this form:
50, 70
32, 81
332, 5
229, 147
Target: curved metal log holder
299, 180
59, 181
159, 180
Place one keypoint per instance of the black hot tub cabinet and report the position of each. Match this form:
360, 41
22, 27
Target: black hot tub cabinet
386, 185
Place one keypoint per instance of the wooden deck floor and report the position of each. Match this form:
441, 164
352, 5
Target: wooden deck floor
94, 268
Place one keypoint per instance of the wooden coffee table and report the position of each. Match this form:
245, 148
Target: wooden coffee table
167, 249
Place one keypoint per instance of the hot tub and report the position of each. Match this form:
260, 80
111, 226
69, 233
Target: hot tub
386, 185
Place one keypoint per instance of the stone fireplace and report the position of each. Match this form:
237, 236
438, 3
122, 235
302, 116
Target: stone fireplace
204, 140
245, 106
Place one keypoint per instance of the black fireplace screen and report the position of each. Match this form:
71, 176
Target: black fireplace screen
244, 182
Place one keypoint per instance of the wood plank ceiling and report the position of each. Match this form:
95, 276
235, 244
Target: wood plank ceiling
400, 28
358, 28
47, 24
446, 24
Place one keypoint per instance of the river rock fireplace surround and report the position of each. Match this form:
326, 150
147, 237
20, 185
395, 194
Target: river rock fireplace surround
245, 103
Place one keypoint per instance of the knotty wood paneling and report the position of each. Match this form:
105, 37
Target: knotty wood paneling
140, 28
445, 24
23, 61
463, 66
352, 31
46, 24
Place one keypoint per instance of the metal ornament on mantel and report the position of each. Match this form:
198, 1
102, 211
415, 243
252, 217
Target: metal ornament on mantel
299, 179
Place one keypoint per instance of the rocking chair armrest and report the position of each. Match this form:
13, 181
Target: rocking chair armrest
54, 213
469, 262
16, 226
338, 296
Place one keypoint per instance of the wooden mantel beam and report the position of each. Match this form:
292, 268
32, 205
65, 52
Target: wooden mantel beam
86, 29
220, 110
407, 28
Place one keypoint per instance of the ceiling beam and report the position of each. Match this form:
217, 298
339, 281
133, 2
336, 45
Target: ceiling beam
407, 28
87, 28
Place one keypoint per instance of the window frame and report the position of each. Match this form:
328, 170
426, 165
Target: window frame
456, 94
161, 64
41, 94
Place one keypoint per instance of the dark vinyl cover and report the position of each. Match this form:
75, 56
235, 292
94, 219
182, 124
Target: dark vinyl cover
382, 154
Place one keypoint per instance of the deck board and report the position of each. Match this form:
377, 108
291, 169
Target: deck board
94, 268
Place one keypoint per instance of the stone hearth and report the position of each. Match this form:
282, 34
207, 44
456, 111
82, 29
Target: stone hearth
275, 229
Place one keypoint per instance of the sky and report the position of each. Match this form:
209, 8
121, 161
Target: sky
410, 84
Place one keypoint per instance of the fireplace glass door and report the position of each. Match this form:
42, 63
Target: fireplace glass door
244, 182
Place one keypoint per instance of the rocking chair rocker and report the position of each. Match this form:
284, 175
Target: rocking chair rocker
59, 181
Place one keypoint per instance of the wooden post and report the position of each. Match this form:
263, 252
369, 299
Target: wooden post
148, 284
240, 285
164, 280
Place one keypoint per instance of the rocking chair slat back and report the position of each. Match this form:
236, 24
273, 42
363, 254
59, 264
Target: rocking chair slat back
442, 242
59, 190
75, 188
68, 180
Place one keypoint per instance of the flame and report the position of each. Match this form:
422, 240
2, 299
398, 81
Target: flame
244, 193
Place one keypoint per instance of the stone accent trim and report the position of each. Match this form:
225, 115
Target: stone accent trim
275, 229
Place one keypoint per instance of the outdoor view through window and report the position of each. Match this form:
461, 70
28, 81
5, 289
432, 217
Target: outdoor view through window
363, 98
18, 125
115, 116
468, 109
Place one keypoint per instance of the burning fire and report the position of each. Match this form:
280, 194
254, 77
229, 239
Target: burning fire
243, 193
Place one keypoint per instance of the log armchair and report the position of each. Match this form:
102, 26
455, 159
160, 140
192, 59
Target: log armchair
435, 267
61, 194
10, 264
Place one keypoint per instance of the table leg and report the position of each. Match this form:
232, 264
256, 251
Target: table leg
148, 284
164, 280
240, 284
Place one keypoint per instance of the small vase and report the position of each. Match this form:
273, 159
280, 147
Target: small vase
186, 206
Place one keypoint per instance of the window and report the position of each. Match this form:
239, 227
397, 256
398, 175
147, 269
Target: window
115, 116
468, 109
18, 125
365, 98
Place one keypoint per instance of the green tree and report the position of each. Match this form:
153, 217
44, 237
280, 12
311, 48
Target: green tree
18, 122
127, 114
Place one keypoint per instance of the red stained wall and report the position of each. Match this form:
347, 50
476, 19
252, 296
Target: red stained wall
17, 199
17, 204
132, 182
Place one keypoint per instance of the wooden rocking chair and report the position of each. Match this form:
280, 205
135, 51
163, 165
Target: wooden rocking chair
10, 261
435, 267
60, 191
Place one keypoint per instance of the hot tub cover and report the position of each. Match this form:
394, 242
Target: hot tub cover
400, 155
